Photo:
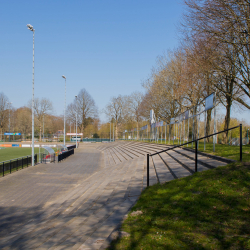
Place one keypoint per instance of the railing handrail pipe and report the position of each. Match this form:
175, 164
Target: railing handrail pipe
193, 140
17, 158
196, 149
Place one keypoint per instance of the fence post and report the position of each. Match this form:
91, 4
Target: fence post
10, 166
27, 161
22, 162
147, 170
3, 168
17, 165
196, 149
240, 142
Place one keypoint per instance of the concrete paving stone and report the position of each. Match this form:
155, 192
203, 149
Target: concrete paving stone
76, 203
114, 157
188, 162
210, 161
120, 154
129, 152
178, 169
139, 150
126, 154
133, 150
163, 172
67, 231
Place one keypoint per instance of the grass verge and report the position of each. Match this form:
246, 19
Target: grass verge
208, 210
223, 150
227, 151
13, 153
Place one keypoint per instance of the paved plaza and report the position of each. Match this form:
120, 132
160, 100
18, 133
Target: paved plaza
78, 203
74, 204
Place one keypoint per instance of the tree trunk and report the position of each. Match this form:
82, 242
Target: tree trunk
137, 128
227, 120
81, 131
229, 86
209, 114
195, 124
116, 131
40, 135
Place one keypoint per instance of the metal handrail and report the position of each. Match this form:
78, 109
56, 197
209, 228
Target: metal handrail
194, 140
15, 162
196, 148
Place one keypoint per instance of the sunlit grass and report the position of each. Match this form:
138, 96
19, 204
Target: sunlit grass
12, 153
208, 210
227, 151
223, 150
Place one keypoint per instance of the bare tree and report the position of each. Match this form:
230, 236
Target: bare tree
4, 105
165, 88
118, 111
227, 24
223, 27
134, 101
23, 120
85, 108
41, 108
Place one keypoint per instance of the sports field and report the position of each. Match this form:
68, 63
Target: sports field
12, 153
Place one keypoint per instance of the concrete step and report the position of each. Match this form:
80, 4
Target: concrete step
206, 161
176, 168
162, 170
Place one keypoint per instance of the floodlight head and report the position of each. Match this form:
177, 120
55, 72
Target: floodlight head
64, 77
75, 96
30, 27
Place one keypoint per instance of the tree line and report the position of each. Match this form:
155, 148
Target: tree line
213, 56
18, 120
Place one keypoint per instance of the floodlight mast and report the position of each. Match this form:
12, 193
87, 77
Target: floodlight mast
64, 109
76, 122
30, 27
9, 103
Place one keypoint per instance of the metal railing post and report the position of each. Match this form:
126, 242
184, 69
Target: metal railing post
10, 166
147, 170
22, 162
240, 142
196, 151
3, 168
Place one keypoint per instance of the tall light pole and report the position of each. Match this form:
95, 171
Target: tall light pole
43, 127
76, 122
30, 27
113, 131
9, 103
110, 132
70, 130
64, 108
113, 121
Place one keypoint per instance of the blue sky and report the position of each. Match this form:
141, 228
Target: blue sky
107, 47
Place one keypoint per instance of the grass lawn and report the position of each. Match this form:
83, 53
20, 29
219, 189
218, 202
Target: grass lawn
208, 210
227, 151
12, 153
